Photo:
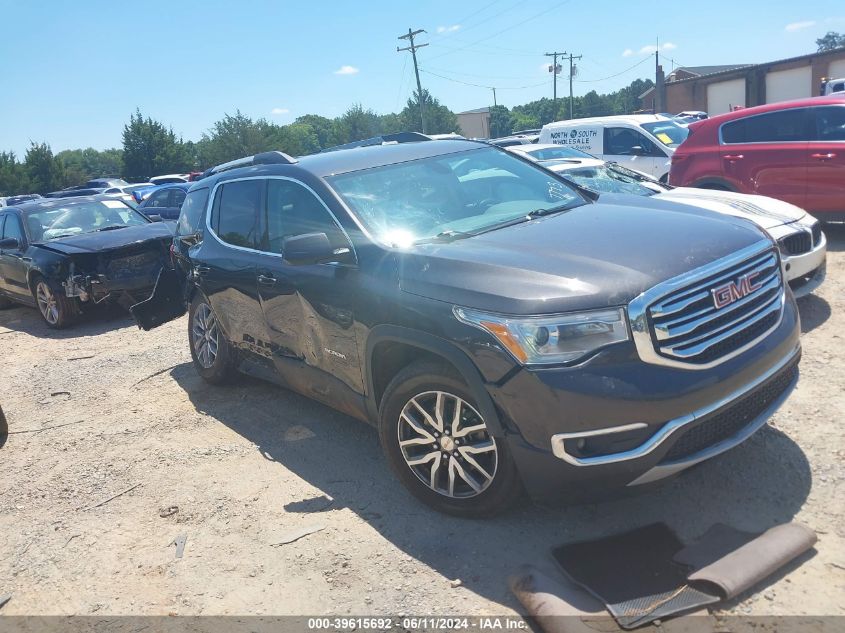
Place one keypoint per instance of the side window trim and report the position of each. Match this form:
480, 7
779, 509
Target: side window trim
214, 203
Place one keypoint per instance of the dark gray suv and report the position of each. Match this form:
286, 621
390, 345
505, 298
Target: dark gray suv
501, 328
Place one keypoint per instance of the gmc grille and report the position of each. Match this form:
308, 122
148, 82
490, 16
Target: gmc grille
687, 326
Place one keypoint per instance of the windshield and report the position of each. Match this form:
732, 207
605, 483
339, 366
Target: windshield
87, 217
553, 153
667, 132
466, 193
609, 179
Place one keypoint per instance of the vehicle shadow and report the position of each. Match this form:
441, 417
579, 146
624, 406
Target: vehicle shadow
835, 232
814, 311
761, 483
96, 321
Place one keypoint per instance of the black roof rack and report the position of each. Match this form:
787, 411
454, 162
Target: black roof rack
384, 139
265, 158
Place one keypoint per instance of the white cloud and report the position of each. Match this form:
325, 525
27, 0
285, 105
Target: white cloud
627, 52
669, 46
347, 70
279, 111
797, 26
448, 29
651, 48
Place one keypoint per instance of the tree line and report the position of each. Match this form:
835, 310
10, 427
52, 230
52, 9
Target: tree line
151, 148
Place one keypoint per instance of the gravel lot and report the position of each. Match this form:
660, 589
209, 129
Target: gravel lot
250, 464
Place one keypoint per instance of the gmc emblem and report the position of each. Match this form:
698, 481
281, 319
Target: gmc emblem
732, 291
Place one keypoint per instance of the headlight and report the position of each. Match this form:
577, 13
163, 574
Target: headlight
546, 340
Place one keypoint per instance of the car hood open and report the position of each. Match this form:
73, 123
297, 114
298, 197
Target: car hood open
593, 256
108, 240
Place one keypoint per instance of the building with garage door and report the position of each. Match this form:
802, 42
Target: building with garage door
719, 89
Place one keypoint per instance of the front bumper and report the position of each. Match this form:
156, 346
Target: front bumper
615, 422
807, 271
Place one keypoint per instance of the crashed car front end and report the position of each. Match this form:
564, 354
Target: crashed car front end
124, 275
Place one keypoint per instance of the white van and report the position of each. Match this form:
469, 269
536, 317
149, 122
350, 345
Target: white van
833, 86
644, 142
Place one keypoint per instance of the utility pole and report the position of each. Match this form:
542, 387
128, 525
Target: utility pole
555, 69
571, 74
413, 48
494, 96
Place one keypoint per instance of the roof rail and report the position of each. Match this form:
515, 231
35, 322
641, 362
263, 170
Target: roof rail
384, 139
265, 158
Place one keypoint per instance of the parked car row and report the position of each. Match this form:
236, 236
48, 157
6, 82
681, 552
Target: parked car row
506, 325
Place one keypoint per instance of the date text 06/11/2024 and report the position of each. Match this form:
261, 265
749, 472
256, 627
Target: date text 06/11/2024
426, 623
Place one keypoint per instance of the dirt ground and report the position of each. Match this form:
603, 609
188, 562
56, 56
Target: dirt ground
249, 465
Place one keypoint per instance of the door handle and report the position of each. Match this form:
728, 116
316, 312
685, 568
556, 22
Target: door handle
266, 280
733, 157
827, 156
202, 270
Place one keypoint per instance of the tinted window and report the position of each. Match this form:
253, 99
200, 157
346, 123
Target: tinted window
12, 228
192, 211
237, 212
775, 127
177, 197
830, 123
294, 210
158, 200
621, 141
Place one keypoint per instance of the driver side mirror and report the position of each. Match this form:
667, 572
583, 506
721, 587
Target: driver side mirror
155, 217
637, 150
313, 248
10, 243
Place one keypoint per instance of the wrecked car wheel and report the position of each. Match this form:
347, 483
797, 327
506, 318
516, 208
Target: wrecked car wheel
439, 446
209, 348
57, 310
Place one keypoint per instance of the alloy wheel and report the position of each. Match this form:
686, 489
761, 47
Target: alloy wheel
205, 336
445, 443
47, 303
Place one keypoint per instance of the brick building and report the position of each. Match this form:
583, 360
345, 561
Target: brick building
717, 89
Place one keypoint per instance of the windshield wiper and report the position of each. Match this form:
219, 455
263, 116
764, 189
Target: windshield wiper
112, 227
539, 213
536, 213
446, 236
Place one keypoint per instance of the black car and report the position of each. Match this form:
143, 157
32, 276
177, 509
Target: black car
501, 327
166, 201
63, 255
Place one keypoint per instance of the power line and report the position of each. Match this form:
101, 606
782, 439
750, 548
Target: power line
588, 81
476, 75
467, 83
508, 28
413, 48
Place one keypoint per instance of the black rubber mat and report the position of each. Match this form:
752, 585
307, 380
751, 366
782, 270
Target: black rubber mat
634, 574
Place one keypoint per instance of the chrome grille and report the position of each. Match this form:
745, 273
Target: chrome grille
682, 325
816, 229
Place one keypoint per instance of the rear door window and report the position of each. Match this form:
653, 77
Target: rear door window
236, 212
177, 197
784, 126
158, 200
830, 123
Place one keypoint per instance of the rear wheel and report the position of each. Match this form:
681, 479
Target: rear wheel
211, 352
57, 310
439, 446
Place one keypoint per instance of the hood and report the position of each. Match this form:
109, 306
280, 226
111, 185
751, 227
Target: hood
109, 240
763, 211
593, 256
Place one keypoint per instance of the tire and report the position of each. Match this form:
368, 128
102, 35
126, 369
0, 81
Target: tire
407, 436
6, 303
57, 310
210, 350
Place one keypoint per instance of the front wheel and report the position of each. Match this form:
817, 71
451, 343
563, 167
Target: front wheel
439, 446
211, 352
57, 310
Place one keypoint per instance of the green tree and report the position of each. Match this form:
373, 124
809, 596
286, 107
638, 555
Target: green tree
357, 123
13, 178
438, 118
43, 171
150, 149
235, 136
830, 41
325, 129
296, 139
500, 121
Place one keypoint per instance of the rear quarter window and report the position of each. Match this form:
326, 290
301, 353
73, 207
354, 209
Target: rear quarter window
235, 216
785, 126
192, 210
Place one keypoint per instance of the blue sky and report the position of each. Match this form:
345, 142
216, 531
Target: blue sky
72, 72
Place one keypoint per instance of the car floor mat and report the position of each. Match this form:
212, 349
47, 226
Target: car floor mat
634, 574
